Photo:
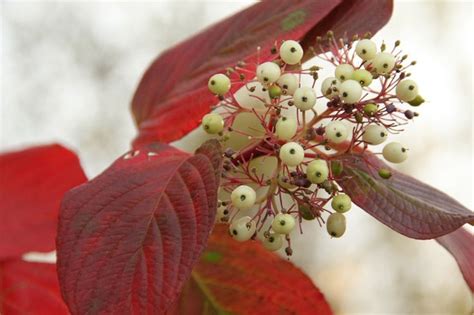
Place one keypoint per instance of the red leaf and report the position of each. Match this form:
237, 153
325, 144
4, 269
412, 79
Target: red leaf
460, 244
32, 183
401, 202
172, 96
128, 239
244, 278
29, 288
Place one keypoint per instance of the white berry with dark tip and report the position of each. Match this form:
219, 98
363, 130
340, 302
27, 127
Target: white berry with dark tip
242, 229
283, 223
243, 197
291, 154
291, 52
219, 84
268, 73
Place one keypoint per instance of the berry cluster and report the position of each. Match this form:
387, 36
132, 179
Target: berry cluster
277, 144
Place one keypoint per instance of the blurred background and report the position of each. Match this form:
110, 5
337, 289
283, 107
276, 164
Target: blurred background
69, 70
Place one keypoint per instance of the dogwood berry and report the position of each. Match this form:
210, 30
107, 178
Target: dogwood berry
362, 76
336, 224
383, 62
370, 109
273, 242
304, 98
341, 203
243, 197
344, 72
407, 90
289, 83
375, 134
219, 84
268, 72
366, 49
395, 152
292, 154
212, 123
274, 91
242, 229
336, 132
283, 223
317, 171
222, 212
330, 87
291, 52
350, 91
285, 128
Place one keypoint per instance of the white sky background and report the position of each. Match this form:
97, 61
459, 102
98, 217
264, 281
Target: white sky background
69, 70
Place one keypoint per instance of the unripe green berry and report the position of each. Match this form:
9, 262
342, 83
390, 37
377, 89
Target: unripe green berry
330, 87
242, 229
286, 128
407, 90
350, 91
362, 76
366, 49
336, 132
268, 72
336, 224
317, 171
291, 52
283, 223
219, 84
212, 123
273, 242
370, 109
304, 98
417, 101
385, 173
274, 91
375, 134
341, 203
243, 197
288, 82
383, 62
291, 154
395, 152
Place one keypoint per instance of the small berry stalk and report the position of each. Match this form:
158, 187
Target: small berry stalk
276, 143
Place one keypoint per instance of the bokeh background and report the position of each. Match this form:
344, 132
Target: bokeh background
69, 70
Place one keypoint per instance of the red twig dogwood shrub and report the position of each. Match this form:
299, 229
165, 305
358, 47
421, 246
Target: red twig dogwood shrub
162, 231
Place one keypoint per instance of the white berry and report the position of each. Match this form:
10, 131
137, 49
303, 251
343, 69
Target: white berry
243, 197
375, 134
304, 98
283, 223
242, 229
344, 71
366, 49
341, 203
288, 82
330, 87
219, 84
268, 72
285, 128
222, 213
273, 242
291, 154
317, 171
291, 52
395, 152
336, 132
350, 91
383, 62
407, 90
336, 224
253, 96
212, 123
